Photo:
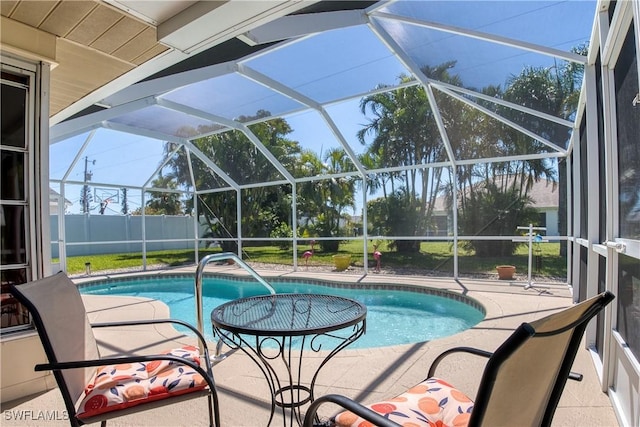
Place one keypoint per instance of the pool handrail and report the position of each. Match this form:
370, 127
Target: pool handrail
200, 272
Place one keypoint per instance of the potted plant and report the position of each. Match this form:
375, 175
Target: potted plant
342, 261
506, 272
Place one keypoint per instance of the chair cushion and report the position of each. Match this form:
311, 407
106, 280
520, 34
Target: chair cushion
432, 403
122, 386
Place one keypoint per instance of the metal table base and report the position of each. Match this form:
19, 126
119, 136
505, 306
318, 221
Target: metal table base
277, 331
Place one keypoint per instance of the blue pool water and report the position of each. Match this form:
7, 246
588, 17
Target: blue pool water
393, 316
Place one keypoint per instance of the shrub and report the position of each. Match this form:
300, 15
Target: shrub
280, 231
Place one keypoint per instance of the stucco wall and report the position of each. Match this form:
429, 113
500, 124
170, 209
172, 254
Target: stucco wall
20, 353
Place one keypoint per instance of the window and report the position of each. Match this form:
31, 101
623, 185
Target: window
15, 152
583, 196
628, 126
628, 302
602, 286
602, 184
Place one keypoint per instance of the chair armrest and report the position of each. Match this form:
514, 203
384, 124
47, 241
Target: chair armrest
346, 403
441, 356
575, 376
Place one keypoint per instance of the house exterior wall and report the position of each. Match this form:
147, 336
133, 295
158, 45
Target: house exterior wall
444, 223
20, 354
20, 347
551, 221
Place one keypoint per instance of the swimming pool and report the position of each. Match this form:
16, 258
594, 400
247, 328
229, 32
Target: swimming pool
395, 314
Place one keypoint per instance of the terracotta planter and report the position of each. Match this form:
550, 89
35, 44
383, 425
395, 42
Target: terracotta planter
506, 272
342, 262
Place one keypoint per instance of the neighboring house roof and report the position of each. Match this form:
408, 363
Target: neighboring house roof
544, 195
53, 194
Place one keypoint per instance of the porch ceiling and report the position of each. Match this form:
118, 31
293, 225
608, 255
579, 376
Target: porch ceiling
98, 47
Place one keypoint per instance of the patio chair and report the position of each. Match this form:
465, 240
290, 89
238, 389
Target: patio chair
521, 384
98, 389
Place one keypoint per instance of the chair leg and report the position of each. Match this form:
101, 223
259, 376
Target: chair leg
103, 423
210, 400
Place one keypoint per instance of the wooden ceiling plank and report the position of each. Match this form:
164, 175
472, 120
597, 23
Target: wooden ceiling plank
137, 45
67, 16
7, 6
94, 25
81, 71
33, 13
116, 36
151, 53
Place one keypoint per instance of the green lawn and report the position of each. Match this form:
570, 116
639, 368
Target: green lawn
434, 258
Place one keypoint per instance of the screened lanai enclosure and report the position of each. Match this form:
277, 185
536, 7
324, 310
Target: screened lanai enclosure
408, 127
449, 136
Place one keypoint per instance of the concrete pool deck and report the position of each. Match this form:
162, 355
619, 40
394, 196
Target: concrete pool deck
367, 375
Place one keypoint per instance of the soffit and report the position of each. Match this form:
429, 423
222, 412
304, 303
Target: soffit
105, 45
96, 43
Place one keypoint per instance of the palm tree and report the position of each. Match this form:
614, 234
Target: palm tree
262, 207
483, 187
404, 133
161, 202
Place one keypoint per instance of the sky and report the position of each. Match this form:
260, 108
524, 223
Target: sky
333, 65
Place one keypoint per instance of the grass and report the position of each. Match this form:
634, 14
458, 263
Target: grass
171, 258
433, 258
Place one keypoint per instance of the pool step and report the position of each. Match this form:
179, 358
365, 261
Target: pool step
219, 356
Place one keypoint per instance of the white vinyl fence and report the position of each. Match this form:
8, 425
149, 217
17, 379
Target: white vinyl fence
104, 234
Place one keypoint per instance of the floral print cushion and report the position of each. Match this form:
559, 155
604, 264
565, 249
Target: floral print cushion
121, 386
432, 403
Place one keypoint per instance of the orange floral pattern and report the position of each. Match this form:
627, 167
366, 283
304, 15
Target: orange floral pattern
432, 403
121, 386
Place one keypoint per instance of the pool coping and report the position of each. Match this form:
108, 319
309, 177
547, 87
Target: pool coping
323, 282
329, 283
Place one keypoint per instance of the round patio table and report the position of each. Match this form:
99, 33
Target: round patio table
277, 330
